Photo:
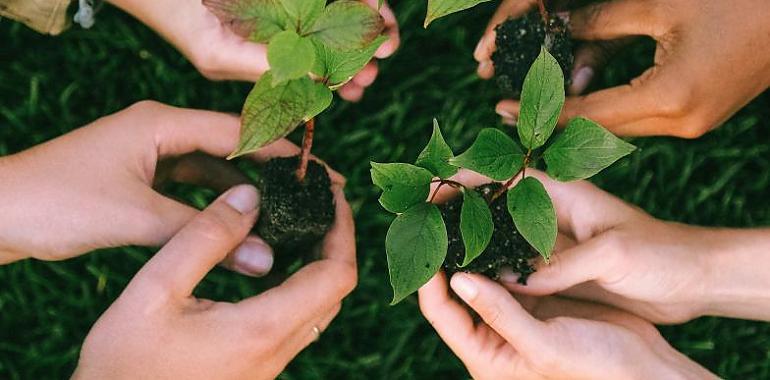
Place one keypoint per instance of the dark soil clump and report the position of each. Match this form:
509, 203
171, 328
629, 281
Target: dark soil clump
518, 45
294, 216
506, 249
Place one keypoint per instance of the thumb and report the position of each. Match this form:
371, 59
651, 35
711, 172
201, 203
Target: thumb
501, 312
205, 241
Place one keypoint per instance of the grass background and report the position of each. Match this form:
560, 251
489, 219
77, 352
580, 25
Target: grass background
48, 86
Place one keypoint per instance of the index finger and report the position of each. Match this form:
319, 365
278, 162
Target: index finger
320, 285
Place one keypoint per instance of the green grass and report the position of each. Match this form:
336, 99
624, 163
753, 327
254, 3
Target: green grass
49, 86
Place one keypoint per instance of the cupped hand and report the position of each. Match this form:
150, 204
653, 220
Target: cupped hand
157, 329
93, 188
686, 93
220, 54
555, 339
610, 252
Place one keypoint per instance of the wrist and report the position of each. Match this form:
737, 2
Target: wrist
738, 278
7, 253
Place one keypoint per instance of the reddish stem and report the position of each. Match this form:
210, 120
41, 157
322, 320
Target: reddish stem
543, 11
507, 185
307, 144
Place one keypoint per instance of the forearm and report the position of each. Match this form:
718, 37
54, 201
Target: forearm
739, 274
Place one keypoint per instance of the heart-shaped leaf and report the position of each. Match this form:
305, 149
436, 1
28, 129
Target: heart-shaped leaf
476, 225
303, 13
493, 154
338, 67
441, 8
583, 150
257, 20
347, 25
542, 98
403, 185
270, 113
290, 56
534, 215
416, 245
436, 155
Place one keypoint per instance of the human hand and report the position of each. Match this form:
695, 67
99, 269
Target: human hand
220, 54
92, 188
555, 339
157, 329
686, 93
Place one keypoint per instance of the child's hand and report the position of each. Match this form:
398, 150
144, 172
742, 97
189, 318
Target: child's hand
711, 60
156, 329
220, 54
556, 339
92, 188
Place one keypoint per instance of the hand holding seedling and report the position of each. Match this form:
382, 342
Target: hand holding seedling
547, 338
220, 53
664, 272
157, 329
77, 199
711, 59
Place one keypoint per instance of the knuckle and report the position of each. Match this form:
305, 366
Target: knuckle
692, 128
675, 102
216, 227
614, 246
145, 106
208, 62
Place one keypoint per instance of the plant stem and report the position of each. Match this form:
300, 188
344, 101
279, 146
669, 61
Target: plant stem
307, 144
442, 182
543, 11
509, 183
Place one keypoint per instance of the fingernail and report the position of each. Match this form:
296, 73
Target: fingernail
243, 198
484, 66
479, 46
464, 287
508, 276
506, 114
582, 79
253, 257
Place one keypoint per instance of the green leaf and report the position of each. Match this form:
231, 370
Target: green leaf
493, 154
303, 13
435, 157
583, 150
542, 98
257, 20
347, 25
338, 67
441, 8
534, 215
403, 185
290, 56
416, 246
476, 225
270, 113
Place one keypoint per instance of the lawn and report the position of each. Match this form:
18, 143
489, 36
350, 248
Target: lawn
49, 86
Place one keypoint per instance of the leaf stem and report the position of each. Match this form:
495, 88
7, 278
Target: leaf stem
442, 182
307, 144
543, 11
509, 183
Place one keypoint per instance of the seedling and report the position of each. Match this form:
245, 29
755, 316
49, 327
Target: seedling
492, 217
518, 42
313, 48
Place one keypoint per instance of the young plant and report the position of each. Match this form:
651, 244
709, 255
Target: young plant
417, 240
313, 49
518, 42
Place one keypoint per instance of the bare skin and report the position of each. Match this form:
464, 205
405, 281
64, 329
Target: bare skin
220, 54
93, 188
157, 329
613, 253
711, 60
547, 338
